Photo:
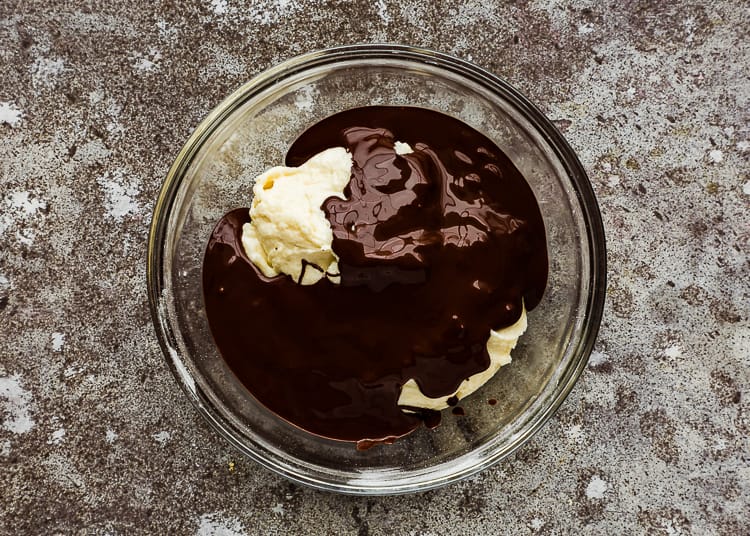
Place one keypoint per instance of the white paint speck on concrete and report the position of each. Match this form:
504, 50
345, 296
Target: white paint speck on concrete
45, 71
145, 63
715, 156
746, 188
219, 7
278, 508
596, 488
575, 433
166, 31
57, 437
58, 340
673, 351
10, 114
119, 191
24, 203
162, 437
273, 11
15, 405
71, 371
217, 524
382, 10
536, 524
110, 436
597, 358
20, 206
114, 126
584, 29
26, 236
96, 96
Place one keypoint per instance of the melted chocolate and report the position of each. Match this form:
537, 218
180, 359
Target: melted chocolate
436, 248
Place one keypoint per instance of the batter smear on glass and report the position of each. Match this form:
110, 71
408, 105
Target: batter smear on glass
438, 239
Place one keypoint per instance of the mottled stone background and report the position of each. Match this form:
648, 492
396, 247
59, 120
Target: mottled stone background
96, 98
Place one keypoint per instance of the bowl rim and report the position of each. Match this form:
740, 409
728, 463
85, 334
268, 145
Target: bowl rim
586, 202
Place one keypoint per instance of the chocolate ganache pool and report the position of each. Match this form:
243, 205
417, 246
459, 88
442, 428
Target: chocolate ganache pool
435, 248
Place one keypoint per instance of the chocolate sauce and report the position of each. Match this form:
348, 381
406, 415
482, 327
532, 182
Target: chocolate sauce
436, 248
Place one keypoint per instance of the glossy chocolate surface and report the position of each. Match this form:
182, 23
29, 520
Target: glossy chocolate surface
436, 247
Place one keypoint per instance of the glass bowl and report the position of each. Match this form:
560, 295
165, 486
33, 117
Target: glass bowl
251, 131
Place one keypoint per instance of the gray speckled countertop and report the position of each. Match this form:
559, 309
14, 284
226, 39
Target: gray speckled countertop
96, 99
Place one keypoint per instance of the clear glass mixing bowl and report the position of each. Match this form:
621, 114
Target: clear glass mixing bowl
251, 131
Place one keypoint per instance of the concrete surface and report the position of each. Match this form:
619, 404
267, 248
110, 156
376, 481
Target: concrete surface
97, 97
